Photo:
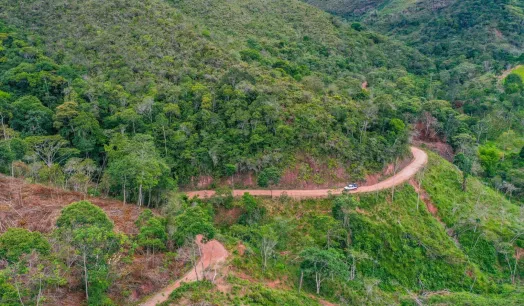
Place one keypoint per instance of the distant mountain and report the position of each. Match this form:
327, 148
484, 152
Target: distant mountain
487, 33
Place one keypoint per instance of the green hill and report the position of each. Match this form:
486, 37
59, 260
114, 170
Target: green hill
213, 94
392, 248
468, 35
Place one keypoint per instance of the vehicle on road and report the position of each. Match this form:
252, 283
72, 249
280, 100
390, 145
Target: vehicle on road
350, 187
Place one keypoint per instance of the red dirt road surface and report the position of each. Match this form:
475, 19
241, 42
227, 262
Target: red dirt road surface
420, 158
213, 253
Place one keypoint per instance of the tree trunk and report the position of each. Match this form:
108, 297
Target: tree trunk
353, 270
124, 187
464, 178
318, 281
140, 195
86, 277
301, 279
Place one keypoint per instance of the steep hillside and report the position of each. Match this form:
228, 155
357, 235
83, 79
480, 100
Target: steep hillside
427, 243
487, 33
202, 94
431, 243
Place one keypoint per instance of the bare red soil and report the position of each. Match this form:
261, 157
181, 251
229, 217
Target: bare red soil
36, 207
213, 253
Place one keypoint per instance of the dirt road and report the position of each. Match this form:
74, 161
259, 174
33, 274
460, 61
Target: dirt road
508, 72
420, 158
213, 253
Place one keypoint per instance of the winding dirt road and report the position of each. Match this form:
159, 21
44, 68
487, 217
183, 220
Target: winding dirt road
213, 254
420, 158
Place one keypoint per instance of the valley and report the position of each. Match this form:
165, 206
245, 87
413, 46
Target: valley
275, 152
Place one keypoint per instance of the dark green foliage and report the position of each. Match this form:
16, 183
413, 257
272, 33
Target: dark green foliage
254, 212
268, 177
31, 117
17, 241
136, 168
7, 156
464, 164
204, 102
323, 265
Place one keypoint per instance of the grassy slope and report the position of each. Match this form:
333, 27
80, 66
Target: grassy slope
483, 220
519, 71
409, 250
242, 293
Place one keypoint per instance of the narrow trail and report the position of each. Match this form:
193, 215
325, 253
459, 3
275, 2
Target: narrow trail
213, 254
420, 158
508, 72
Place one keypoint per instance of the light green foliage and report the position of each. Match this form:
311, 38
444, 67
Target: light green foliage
486, 224
243, 293
8, 292
193, 221
83, 214
519, 71
17, 241
403, 237
466, 298
489, 156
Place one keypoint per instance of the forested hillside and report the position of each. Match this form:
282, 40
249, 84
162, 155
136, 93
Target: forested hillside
488, 32
118, 107
471, 43
201, 96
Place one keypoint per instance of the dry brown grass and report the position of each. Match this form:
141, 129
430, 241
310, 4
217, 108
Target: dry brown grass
36, 207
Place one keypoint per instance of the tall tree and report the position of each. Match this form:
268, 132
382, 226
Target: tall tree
89, 231
135, 162
465, 164
323, 265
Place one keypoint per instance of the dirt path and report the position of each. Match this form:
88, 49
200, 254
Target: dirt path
508, 72
419, 160
213, 254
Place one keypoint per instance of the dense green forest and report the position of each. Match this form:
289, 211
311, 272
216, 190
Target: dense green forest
200, 98
136, 100
471, 44
187, 93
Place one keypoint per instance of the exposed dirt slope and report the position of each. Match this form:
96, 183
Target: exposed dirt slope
420, 158
36, 207
213, 254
